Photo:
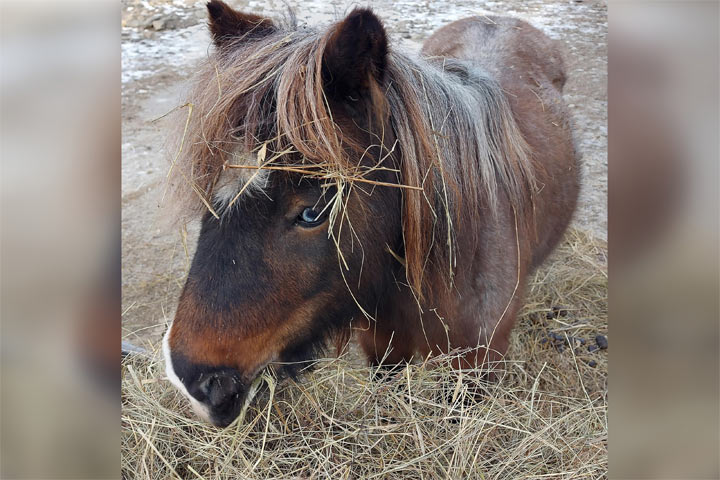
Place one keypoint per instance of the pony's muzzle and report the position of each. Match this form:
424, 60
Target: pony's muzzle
216, 393
222, 393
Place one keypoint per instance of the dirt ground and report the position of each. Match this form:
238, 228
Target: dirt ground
161, 41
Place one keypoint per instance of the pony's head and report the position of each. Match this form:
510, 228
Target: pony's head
316, 165
288, 254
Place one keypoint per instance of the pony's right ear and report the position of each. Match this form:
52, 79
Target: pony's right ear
356, 54
227, 24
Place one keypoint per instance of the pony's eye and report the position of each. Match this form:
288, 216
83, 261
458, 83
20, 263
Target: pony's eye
309, 217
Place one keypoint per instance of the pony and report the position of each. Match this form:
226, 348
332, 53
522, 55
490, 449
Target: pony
345, 187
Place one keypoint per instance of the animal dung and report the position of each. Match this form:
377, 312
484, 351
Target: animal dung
557, 311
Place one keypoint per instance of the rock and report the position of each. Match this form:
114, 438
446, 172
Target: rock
592, 363
168, 21
602, 342
592, 348
163, 21
128, 348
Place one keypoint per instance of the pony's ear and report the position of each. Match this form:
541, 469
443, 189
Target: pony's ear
227, 24
355, 55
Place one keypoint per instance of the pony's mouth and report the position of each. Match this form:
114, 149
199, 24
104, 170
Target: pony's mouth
236, 413
228, 412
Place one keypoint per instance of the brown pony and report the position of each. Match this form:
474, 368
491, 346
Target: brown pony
346, 186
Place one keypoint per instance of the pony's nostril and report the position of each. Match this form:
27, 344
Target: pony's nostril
220, 388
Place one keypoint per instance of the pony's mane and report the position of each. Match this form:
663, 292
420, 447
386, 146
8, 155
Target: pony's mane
457, 143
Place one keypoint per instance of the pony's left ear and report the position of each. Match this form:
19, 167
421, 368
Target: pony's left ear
227, 24
355, 55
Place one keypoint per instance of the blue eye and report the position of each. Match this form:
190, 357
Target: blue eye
309, 217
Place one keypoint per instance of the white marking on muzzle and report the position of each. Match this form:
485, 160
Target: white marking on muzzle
200, 409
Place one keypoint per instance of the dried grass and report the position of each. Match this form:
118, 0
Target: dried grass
546, 417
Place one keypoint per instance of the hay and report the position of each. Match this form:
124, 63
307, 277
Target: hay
546, 417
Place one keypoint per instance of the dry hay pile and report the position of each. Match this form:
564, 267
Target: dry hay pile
545, 418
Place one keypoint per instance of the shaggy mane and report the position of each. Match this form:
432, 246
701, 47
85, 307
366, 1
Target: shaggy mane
458, 146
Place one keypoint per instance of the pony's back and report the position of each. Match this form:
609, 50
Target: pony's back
531, 71
498, 43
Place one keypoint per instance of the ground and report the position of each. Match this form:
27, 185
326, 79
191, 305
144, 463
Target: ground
161, 41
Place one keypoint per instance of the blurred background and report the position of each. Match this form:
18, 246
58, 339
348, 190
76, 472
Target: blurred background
60, 151
663, 239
